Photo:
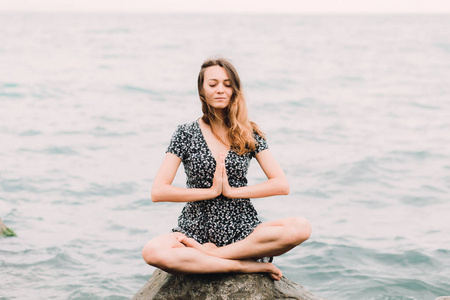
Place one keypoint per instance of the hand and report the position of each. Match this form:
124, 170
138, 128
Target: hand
218, 179
227, 190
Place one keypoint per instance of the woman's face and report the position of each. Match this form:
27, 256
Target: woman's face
217, 87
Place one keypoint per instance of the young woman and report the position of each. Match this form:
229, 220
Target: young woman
218, 230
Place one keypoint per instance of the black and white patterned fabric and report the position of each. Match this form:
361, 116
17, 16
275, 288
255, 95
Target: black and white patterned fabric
221, 220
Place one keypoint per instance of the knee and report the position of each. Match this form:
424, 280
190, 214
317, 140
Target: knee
152, 254
299, 229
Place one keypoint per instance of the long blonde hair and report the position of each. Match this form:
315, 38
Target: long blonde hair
239, 128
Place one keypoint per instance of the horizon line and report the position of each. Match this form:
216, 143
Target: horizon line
233, 12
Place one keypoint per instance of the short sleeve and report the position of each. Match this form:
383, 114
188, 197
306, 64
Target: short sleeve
261, 143
178, 143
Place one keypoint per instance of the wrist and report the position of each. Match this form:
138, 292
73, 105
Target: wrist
229, 192
213, 192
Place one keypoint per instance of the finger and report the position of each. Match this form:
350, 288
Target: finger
218, 161
224, 174
219, 171
218, 166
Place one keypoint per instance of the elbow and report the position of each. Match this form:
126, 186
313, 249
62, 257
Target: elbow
284, 188
155, 195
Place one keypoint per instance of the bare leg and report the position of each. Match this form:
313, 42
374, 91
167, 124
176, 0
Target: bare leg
268, 239
167, 253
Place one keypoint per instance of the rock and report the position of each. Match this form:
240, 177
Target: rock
5, 231
165, 286
443, 298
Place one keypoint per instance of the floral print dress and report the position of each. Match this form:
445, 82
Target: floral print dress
220, 220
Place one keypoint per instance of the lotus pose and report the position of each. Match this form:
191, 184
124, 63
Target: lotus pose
219, 230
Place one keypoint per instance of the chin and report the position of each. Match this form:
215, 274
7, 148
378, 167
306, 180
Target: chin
220, 107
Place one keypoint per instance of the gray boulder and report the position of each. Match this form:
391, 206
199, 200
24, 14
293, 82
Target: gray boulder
165, 286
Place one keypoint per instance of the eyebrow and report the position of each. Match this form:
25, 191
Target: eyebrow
218, 80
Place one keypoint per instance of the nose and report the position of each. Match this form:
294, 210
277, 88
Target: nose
220, 88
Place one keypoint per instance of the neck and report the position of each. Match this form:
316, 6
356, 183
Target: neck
221, 114
218, 127
219, 121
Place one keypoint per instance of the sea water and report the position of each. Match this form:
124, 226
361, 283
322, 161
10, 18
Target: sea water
356, 110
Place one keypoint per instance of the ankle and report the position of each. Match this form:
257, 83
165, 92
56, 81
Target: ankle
236, 266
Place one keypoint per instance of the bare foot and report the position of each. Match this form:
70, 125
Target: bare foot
209, 246
191, 243
276, 274
251, 266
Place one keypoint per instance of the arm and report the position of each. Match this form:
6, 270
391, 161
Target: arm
162, 189
276, 184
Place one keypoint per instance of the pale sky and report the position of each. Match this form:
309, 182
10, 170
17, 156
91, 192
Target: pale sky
226, 6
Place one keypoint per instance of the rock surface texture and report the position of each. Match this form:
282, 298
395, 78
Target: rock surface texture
163, 285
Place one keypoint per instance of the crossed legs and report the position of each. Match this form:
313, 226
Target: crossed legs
176, 253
